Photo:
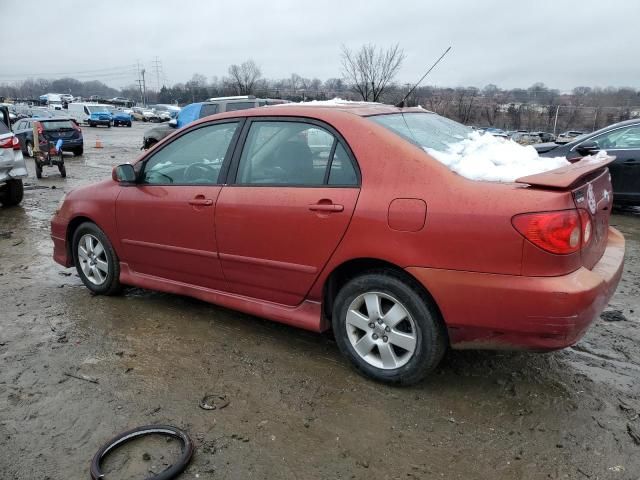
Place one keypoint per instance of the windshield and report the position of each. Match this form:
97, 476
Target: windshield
57, 125
97, 108
426, 130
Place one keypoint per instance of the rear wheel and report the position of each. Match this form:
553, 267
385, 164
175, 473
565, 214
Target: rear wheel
388, 328
63, 170
96, 260
12, 193
78, 151
129, 124
38, 169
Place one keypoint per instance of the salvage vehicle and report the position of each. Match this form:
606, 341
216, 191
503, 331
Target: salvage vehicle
337, 217
12, 165
568, 136
50, 130
121, 118
194, 111
100, 117
620, 139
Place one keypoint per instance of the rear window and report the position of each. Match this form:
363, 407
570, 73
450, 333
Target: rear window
3, 128
57, 125
239, 106
426, 130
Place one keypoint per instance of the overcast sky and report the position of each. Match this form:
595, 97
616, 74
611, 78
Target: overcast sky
561, 43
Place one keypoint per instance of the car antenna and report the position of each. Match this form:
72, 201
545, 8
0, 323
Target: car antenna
402, 102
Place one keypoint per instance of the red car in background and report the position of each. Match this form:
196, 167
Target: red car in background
325, 216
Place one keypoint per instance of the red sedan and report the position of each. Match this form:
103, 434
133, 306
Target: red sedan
323, 217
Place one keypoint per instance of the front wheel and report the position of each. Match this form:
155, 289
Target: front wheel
96, 260
388, 328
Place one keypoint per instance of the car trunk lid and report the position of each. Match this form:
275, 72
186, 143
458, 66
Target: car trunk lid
589, 182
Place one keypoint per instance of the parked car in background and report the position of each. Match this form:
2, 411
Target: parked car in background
50, 130
12, 165
620, 139
566, 137
100, 115
121, 118
82, 111
317, 217
526, 138
195, 111
166, 112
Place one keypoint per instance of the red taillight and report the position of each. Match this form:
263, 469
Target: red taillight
559, 232
11, 142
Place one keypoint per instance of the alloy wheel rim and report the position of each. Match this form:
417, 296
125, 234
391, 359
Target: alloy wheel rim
381, 330
30, 150
93, 259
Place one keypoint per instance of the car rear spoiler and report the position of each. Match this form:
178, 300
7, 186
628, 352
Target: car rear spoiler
564, 177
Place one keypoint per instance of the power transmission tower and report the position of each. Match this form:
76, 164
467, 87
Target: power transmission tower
157, 68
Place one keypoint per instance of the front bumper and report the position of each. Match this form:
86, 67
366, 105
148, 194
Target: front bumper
61, 251
483, 310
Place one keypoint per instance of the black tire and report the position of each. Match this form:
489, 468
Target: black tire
129, 124
12, 193
92, 124
77, 152
63, 170
38, 170
430, 335
171, 472
111, 284
28, 146
109, 125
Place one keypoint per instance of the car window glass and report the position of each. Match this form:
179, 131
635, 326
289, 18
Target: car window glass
621, 138
285, 153
231, 106
342, 171
194, 158
3, 127
208, 109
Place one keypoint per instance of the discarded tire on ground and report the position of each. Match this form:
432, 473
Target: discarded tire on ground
171, 472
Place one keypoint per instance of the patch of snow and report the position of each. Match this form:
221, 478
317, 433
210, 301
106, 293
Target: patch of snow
485, 157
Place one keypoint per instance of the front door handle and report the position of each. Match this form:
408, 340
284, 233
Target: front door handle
201, 201
326, 207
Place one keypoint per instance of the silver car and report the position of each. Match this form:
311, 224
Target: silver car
12, 165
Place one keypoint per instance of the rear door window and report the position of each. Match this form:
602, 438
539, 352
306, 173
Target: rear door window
208, 109
232, 106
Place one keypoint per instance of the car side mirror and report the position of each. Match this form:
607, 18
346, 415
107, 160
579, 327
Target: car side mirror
124, 173
173, 123
588, 147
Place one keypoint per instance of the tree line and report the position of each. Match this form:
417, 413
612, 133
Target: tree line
369, 73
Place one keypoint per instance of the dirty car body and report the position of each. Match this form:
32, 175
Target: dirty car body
323, 217
12, 165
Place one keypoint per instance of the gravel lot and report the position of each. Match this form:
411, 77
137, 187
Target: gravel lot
296, 409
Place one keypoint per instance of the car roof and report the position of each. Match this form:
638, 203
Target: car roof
322, 110
48, 119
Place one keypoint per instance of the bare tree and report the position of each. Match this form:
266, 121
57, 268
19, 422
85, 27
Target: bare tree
243, 77
370, 70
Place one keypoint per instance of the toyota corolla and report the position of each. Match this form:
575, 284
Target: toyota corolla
341, 217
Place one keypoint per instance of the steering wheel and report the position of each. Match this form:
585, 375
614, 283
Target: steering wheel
200, 172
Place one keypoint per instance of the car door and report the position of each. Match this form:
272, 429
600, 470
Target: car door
624, 143
291, 193
166, 220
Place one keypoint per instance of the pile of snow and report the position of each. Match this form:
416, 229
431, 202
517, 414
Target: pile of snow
334, 102
485, 157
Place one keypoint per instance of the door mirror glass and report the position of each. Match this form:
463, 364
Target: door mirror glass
588, 147
124, 173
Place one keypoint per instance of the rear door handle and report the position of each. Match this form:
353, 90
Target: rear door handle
326, 207
205, 202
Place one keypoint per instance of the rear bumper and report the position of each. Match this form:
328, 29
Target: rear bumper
517, 312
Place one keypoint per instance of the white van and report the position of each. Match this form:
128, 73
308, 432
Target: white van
81, 111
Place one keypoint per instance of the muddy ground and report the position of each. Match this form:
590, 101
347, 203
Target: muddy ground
296, 409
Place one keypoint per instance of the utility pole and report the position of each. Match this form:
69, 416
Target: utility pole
555, 122
157, 67
139, 82
144, 88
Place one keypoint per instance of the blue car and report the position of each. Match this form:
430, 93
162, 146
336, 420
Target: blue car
100, 118
121, 118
